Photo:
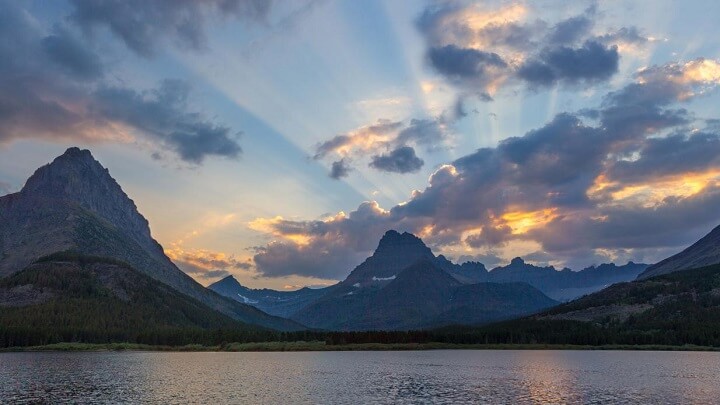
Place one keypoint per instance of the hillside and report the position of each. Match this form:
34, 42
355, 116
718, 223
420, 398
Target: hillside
672, 309
704, 252
69, 297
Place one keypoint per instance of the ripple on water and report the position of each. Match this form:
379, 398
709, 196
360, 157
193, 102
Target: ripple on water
361, 377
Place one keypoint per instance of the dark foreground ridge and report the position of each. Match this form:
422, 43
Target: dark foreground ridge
68, 297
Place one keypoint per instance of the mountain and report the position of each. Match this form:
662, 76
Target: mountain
69, 297
565, 285
408, 290
394, 253
704, 252
678, 308
362, 301
278, 303
73, 204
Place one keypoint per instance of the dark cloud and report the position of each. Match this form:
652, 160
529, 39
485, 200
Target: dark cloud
592, 62
162, 113
340, 169
333, 247
674, 222
325, 261
144, 25
34, 90
427, 132
459, 64
479, 53
72, 55
571, 30
52, 87
678, 153
490, 236
400, 160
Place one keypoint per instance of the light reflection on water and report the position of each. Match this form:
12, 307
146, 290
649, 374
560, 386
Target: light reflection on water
362, 377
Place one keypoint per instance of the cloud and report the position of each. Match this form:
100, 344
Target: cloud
629, 179
326, 248
571, 30
481, 49
340, 169
144, 25
591, 62
362, 140
400, 160
33, 85
72, 55
201, 272
462, 64
384, 142
206, 264
61, 79
162, 113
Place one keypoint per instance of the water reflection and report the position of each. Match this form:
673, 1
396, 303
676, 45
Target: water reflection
361, 377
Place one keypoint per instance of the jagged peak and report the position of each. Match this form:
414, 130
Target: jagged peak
74, 165
76, 177
518, 261
74, 152
393, 238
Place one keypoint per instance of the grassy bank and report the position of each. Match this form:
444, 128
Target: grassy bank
322, 346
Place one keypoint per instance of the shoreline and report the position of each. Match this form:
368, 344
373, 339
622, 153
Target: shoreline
322, 347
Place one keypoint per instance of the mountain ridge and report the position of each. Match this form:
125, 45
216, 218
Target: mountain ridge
704, 252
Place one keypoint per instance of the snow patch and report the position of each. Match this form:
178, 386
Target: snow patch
350, 293
356, 285
383, 278
247, 300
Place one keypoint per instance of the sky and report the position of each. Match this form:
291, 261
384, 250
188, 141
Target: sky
278, 141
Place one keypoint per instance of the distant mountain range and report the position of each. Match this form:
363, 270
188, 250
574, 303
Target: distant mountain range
404, 285
73, 204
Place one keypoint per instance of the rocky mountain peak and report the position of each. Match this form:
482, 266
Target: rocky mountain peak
394, 242
61, 177
75, 177
395, 252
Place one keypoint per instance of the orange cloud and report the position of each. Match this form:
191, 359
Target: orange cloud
206, 259
523, 221
653, 193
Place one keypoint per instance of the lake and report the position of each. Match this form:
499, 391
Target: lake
443, 376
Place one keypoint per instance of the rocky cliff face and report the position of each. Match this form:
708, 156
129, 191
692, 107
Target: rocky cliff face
74, 204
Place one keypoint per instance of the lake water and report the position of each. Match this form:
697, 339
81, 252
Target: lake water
460, 376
